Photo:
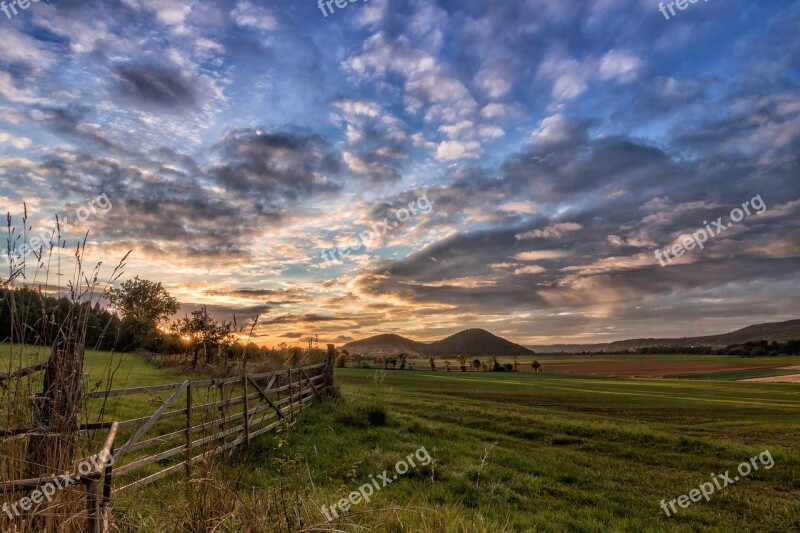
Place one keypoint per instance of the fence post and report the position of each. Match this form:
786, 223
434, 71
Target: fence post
107, 485
93, 505
189, 430
246, 412
291, 396
329, 369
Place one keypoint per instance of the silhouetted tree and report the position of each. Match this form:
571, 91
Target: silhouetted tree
143, 305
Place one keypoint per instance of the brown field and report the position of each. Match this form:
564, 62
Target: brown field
647, 369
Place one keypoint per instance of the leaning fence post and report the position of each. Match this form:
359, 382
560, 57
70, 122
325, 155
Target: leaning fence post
107, 485
189, 430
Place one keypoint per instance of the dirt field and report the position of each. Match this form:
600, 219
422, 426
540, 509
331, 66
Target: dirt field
645, 368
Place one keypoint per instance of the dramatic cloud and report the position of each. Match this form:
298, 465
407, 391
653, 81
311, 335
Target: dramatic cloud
559, 144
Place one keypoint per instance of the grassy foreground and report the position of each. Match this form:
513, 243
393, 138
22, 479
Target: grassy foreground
513, 452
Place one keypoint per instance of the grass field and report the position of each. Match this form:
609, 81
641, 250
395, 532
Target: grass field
511, 451
524, 452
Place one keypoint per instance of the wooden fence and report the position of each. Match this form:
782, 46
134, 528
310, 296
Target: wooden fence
186, 428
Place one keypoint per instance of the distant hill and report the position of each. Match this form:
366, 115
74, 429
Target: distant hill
476, 343
469, 343
390, 343
772, 331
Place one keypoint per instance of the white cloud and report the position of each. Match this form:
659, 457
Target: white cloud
531, 269
20, 143
538, 255
553, 231
452, 150
250, 15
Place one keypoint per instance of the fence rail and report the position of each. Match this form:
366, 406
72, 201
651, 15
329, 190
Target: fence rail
265, 401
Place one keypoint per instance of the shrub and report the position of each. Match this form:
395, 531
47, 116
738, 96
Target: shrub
376, 414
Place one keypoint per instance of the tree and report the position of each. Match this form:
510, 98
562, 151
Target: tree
536, 366
515, 363
462, 362
476, 364
143, 305
447, 365
202, 331
403, 358
433, 363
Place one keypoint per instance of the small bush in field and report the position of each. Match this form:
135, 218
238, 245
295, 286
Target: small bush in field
376, 415
361, 415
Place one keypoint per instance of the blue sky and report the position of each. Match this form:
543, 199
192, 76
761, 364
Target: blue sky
560, 143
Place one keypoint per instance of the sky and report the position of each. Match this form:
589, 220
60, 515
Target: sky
512, 166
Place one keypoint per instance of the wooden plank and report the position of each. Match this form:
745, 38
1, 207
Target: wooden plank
309, 380
267, 398
144, 461
131, 391
104, 456
161, 439
151, 478
136, 421
153, 419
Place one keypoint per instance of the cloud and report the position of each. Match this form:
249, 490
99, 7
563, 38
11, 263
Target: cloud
553, 231
160, 87
247, 14
538, 255
530, 269
289, 165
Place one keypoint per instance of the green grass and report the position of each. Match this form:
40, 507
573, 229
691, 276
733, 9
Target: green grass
525, 452
735, 375
512, 452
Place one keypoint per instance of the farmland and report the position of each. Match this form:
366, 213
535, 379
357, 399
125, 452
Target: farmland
512, 452
522, 452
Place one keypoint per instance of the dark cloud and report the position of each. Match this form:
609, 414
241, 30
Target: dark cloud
280, 168
307, 318
164, 88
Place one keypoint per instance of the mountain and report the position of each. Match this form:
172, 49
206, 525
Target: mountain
385, 343
771, 331
476, 343
469, 343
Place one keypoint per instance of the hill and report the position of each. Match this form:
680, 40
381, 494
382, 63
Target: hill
469, 343
390, 343
771, 331
476, 343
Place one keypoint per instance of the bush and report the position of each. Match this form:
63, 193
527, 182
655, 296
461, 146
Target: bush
362, 415
376, 414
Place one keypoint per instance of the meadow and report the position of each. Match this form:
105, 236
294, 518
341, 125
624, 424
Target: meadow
511, 452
